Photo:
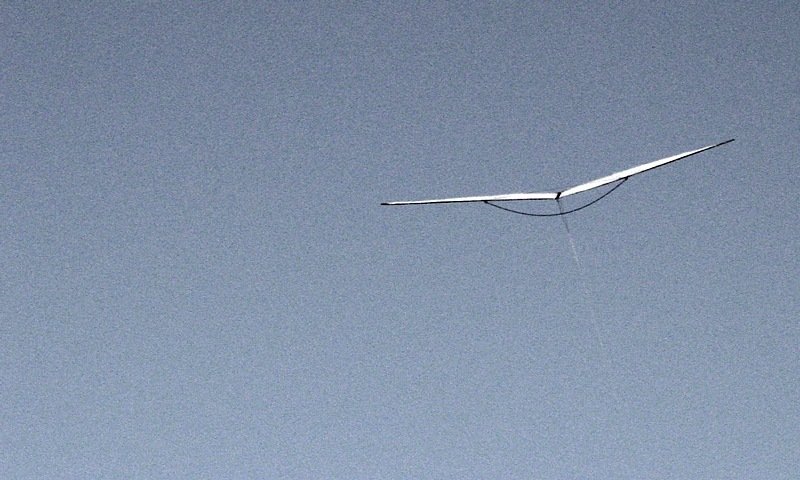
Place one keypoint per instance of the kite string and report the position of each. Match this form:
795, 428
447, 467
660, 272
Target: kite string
587, 293
569, 234
561, 212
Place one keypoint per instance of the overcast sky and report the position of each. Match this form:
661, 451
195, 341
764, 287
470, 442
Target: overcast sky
198, 280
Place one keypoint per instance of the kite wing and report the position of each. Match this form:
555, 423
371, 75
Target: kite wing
624, 174
484, 198
634, 170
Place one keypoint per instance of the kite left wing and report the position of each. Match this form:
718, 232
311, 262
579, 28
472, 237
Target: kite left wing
485, 198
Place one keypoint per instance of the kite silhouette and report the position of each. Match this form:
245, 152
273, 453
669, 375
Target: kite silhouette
620, 177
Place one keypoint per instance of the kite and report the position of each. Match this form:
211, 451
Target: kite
621, 177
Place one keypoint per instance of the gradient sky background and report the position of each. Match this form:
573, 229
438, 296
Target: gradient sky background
198, 280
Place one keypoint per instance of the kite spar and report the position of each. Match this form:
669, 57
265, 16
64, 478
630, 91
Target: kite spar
583, 187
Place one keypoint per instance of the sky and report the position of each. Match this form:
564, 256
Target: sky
198, 279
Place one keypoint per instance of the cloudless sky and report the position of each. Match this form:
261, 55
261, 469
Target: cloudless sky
198, 280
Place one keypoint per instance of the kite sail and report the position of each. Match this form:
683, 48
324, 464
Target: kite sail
583, 187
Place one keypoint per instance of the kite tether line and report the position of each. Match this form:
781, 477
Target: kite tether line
561, 212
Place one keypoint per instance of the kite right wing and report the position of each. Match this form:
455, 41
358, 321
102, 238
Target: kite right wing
634, 170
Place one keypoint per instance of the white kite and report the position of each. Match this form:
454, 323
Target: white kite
614, 177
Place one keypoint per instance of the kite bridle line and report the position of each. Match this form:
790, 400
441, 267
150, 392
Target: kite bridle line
558, 199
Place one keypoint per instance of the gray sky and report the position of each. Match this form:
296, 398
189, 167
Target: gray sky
198, 281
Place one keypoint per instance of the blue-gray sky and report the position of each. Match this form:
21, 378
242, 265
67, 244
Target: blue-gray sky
198, 281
